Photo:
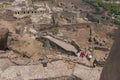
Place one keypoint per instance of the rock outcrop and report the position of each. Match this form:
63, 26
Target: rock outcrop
111, 69
26, 46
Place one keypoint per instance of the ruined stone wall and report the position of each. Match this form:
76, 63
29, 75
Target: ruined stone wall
29, 12
40, 27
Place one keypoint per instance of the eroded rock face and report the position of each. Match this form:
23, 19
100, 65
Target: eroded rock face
3, 38
111, 69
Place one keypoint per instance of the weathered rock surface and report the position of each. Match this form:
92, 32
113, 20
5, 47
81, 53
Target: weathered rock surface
54, 69
4, 64
3, 38
86, 73
25, 46
57, 70
111, 71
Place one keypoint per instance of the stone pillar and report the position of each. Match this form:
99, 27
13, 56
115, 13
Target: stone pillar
3, 38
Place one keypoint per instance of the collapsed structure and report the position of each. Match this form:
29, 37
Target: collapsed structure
70, 48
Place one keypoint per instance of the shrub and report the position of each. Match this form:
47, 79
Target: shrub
88, 26
117, 20
53, 1
1, 6
55, 30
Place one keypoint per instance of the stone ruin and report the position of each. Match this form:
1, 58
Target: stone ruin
62, 15
27, 7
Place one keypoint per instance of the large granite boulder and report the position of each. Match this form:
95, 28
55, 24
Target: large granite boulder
3, 38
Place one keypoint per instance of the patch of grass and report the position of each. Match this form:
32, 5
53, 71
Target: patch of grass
55, 30
1, 6
117, 20
111, 7
53, 1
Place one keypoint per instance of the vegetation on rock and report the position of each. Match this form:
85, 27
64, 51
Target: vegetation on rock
55, 30
112, 8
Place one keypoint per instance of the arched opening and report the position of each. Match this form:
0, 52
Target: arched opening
18, 12
28, 12
24, 12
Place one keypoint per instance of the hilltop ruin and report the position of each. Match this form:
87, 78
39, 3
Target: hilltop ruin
53, 40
